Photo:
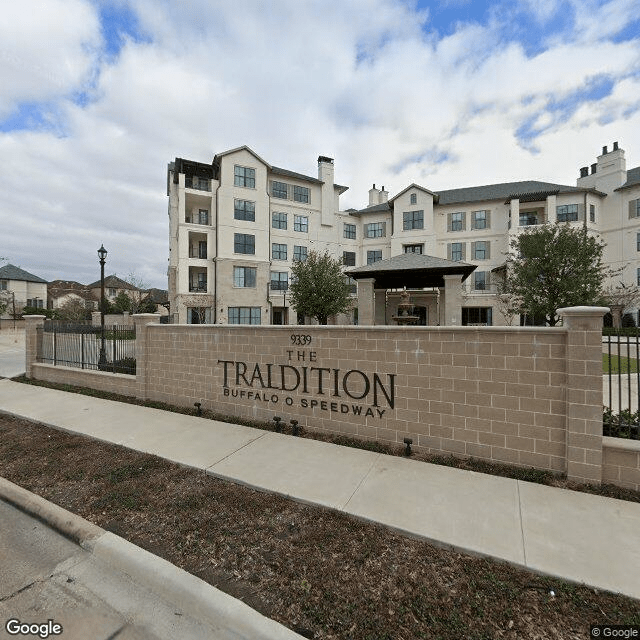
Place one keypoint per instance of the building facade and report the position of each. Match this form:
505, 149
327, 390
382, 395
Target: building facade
20, 289
236, 226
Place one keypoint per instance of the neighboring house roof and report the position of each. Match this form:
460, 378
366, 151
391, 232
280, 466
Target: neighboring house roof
158, 296
633, 179
11, 272
114, 282
384, 207
60, 288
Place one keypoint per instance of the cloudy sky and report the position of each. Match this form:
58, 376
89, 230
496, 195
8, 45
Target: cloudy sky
97, 96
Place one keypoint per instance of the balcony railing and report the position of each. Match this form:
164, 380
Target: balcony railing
198, 287
196, 252
277, 285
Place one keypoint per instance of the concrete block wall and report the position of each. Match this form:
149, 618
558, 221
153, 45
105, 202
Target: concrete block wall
621, 462
124, 385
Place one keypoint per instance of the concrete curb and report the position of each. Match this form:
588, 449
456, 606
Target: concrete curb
195, 597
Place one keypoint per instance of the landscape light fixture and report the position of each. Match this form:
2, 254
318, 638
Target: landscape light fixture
102, 360
295, 430
277, 420
408, 442
198, 406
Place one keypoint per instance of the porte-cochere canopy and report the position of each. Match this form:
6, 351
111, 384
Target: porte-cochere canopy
411, 270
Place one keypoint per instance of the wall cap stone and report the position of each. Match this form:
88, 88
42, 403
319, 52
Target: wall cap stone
624, 444
582, 311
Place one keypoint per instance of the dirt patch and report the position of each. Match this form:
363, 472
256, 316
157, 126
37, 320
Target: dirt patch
321, 573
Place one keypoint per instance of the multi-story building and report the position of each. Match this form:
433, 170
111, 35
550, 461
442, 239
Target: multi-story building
237, 224
21, 289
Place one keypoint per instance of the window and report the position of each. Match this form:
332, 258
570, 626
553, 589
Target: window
528, 218
279, 190
457, 221
244, 210
279, 220
412, 220
244, 276
112, 293
480, 250
480, 281
349, 231
198, 282
244, 243
413, 198
349, 258
457, 251
300, 194
4, 284
203, 216
374, 256
567, 213
413, 248
279, 281
352, 284
301, 223
638, 277
473, 316
244, 177
375, 230
480, 219
592, 212
278, 251
634, 208
198, 315
202, 249
244, 315
299, 253
35, 302
637, 249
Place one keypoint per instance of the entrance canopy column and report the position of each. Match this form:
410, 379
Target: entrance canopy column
452, 300
366, 301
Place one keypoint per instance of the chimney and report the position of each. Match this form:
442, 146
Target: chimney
584, 172
384, 195
615, 146
374, 196
593, 168
604, 151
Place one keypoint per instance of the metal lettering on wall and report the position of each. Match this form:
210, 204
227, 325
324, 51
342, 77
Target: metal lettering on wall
352, 391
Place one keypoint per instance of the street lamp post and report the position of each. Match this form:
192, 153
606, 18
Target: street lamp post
102, 360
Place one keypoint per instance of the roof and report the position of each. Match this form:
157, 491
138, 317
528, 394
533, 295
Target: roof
507, 190
11, 272
242, 148
384, 207
293, 174
59, 288
413, 185
114, 282
633, 179
158, 296
411, 270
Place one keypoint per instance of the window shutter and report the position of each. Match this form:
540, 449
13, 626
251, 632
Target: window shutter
473, 250
633, 208
487, 279
270, 187
449, 250
449, 220
384, 229
464, 251
464, 227
581, 212
487, 253
488, 218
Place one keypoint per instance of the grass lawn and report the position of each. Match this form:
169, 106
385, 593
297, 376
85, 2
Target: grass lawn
319, 572
617, 364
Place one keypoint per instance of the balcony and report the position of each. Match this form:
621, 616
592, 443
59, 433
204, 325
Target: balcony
198, 287
199, 184
277, 285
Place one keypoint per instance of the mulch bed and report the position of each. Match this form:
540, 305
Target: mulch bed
320, 573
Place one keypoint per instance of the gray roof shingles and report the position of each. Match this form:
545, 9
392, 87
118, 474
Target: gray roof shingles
633, 179
11, 272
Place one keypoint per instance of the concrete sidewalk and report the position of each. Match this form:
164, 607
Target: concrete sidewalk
580, 537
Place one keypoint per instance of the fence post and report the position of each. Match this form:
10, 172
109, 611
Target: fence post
584, 392
141, 320
33, 341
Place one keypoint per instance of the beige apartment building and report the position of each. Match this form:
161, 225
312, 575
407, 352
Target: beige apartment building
238, 223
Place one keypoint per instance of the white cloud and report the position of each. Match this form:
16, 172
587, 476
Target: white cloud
360, 81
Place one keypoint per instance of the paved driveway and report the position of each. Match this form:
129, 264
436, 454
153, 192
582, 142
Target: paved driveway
12, 356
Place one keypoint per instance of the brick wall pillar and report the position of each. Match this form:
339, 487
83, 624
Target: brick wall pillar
452, 300
33, 341
584, 392
141, 320
366, 302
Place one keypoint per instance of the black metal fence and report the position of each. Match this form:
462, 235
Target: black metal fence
621, 358
79, 345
